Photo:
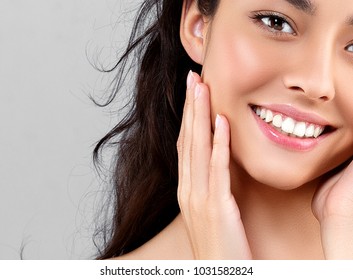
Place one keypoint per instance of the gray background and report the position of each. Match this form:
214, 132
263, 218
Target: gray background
49, 190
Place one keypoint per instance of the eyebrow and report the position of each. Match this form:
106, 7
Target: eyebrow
349, 21
304, 5
308, 7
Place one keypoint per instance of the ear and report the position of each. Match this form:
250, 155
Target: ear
193, 29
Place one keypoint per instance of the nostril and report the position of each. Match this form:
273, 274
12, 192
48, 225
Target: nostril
312, 94
296, 88
312, 87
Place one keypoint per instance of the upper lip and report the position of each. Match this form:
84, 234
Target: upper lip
296, 114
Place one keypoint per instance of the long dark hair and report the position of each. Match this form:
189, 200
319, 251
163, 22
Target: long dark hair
145, 173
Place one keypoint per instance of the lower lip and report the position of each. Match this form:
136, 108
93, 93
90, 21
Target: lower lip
291, 143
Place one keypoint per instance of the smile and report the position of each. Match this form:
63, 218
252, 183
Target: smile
291, 129
289, 126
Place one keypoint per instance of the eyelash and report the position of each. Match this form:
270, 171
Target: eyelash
259, 17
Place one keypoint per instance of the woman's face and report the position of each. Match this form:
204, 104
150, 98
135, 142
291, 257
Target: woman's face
292, 60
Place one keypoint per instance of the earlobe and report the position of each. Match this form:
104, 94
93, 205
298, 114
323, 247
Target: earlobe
192, 31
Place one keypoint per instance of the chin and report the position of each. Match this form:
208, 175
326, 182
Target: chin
282, 182
280, 176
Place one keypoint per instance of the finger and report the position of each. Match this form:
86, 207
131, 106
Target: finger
347, 175
341, 194
201, 141
219, 164
339, 189
184, 143
185, 138
227, 213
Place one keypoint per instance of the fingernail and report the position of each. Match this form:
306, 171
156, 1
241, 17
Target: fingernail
197, 91
218, 120
190, 80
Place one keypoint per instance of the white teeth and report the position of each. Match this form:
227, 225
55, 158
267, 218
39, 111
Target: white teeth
277, 121
318, 131
288, 125
309, 132
299, 129
258, 111
269, 116
263, 113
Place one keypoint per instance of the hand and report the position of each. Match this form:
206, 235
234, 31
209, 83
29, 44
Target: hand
208, 207
333, 207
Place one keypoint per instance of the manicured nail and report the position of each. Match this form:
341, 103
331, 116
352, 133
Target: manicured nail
190, 80
218, 120
197, 90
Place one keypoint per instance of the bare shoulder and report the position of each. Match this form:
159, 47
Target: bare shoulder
172, 243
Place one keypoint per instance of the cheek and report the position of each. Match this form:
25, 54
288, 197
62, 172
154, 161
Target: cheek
236, 66
344, 104
344, 98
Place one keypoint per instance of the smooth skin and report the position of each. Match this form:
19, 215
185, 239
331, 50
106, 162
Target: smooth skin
241, 195
209, 210
207, 204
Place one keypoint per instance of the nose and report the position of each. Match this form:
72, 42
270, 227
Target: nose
312, 73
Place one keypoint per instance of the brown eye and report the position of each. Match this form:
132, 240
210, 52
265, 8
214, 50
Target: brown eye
277, 24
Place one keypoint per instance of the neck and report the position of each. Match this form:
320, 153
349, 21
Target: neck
279, 223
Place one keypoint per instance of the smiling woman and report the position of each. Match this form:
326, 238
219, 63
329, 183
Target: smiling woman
256, 164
